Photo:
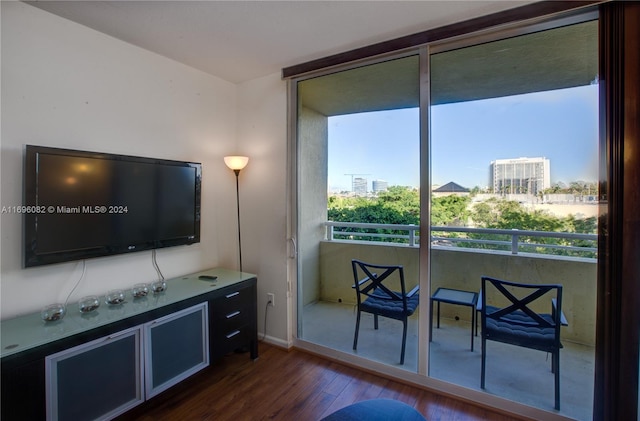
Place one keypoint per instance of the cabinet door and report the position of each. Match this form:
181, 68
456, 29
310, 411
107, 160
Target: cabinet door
176, 346
95, 380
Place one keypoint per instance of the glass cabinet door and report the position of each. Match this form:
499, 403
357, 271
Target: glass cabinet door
176, 346
99, 379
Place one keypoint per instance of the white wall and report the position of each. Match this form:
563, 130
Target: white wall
67, 86
262, 135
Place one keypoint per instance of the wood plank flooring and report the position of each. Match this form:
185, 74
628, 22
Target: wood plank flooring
293, 385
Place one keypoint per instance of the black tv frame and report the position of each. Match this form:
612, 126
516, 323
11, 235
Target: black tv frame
32, 209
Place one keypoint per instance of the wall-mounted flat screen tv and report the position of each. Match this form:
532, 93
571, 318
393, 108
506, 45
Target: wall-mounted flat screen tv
80, 204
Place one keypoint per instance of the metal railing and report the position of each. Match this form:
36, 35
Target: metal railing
513, 240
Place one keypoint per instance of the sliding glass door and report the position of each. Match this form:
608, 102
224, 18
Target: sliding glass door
358, 170
514, 152
457, 160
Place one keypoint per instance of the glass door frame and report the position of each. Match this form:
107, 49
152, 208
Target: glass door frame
612, 148
294, 194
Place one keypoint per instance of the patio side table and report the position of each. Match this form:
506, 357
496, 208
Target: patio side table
456, 297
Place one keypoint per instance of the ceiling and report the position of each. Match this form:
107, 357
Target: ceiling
557, 58
243, 40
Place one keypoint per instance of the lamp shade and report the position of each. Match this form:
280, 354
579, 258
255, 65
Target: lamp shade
236, 162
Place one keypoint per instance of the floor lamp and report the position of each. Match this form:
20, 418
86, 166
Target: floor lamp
236, 163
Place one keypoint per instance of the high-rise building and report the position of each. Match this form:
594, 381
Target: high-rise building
379, 186
520, 175
360, 186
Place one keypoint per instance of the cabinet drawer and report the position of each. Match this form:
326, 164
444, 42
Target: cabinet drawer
233, 319
226, 341
230, 302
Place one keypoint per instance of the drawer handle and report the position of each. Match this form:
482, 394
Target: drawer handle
232, 334
234, 314
233, 294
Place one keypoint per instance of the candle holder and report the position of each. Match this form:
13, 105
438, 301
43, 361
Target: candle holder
53, 312
88, 304
159, 286
115, 297
140, 290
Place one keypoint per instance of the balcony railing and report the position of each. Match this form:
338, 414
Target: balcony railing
513, 240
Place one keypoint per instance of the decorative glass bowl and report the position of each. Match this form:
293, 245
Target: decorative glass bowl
158, 287
53, 312
88, 304
115, 297
140, 290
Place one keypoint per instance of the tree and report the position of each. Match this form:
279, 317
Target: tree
450, 210
506, 214
401, 206
485, 214
398, 205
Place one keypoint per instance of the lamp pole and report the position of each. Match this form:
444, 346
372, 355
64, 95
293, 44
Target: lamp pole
237, 172
236, 163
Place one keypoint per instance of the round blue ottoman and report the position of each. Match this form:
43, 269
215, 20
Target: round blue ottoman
376, 410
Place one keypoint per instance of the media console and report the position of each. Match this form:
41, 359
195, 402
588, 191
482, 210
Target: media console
100, 364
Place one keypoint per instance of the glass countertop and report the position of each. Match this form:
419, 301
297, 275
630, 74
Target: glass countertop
29, 331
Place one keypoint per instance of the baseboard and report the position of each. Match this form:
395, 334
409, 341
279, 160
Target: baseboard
277, 342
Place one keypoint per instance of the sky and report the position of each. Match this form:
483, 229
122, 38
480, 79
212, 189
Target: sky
560, 125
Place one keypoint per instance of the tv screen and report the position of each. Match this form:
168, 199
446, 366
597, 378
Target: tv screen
87, 204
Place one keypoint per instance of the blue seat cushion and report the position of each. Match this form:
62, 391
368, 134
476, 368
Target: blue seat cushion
384, 306
376, 410
518, 328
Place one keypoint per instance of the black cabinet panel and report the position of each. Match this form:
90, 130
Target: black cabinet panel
23, 391
234, 321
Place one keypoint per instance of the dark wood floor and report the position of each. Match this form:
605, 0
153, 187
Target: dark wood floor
291, 385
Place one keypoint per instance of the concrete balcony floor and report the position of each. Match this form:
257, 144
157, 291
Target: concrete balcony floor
514, 373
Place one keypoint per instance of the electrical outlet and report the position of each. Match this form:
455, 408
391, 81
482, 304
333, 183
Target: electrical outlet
271, 298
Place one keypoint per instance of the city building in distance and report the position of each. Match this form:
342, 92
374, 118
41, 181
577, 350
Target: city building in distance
520, 176
360, 186
378, 186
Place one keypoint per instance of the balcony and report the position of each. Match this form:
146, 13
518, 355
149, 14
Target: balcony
329, 318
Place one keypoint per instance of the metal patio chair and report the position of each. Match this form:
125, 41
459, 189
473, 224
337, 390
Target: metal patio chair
516, 323
375, 297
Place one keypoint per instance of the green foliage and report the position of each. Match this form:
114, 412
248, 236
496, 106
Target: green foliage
503, 214
483, 213
450, 210
398, 205
574, 187
401, 205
